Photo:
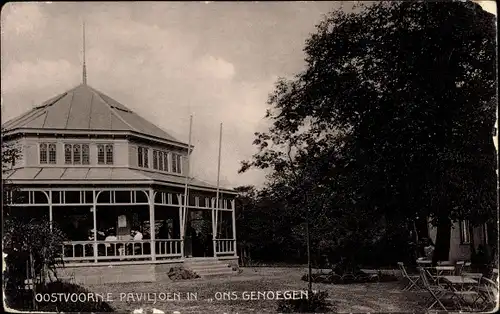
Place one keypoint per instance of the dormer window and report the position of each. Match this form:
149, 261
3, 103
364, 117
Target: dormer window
105, 154
76, 154
47, 153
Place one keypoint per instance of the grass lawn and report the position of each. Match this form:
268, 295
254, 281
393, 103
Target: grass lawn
373, 297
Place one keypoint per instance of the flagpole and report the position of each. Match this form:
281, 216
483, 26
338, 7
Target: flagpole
217, 195
186, 182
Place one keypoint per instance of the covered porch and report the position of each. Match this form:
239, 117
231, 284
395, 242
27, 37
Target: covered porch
130, 225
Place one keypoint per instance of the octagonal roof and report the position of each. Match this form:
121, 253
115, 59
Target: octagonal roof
85, 109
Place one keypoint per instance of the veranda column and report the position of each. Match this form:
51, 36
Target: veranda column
152, 224
94, 219
233, 214
50, 210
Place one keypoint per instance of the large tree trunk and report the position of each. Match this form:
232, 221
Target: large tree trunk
442, 245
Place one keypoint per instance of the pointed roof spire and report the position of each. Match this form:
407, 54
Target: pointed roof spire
84, 74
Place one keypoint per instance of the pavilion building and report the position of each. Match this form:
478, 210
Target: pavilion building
116, 185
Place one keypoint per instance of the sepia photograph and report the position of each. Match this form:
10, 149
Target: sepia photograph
250, 157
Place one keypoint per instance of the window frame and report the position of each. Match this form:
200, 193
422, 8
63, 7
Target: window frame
109, 152
43, 152
160, 160
101, 161
465, 236
142, 156
77, 152
68, 154
85, 161
155, 159
52, 161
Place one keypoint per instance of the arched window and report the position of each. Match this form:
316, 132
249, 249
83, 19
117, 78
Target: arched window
43, 153
77, 154
109, 154
85, 154
67, 154
100, 154
52, 154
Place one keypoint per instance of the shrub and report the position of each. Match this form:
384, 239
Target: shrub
315, 303
33, 250
181, 273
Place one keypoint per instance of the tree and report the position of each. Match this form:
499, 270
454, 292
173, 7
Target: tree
391, 119
32, 249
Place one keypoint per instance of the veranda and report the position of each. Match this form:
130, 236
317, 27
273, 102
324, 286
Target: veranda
83, 212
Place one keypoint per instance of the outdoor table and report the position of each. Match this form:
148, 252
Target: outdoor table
460, 286
442, 271
473, 275
424, 262
445, 263
459, 280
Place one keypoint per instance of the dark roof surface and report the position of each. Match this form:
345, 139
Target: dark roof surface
81, 175
84, 108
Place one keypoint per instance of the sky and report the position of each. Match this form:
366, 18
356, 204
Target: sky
165, 61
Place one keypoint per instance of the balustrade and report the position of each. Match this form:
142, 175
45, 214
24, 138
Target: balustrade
83, 251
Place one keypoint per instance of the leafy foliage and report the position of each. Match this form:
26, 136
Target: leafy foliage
391, 120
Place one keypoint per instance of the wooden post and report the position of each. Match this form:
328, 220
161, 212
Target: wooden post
233, 212
94, 218
152, 224
214, 230
217, 193
181, 227
50, 210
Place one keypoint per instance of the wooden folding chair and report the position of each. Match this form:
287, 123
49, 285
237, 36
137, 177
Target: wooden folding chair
412, 280
488, 294
459, 267
436, 292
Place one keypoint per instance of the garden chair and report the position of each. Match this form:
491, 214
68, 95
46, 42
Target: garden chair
437, 292
412, 280
488, 294
467, 266
459, 266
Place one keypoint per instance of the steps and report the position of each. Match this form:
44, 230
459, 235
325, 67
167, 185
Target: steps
209, 267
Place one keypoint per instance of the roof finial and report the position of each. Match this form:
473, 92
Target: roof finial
84, 74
